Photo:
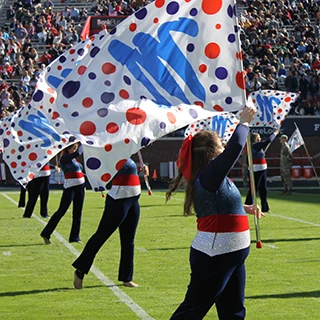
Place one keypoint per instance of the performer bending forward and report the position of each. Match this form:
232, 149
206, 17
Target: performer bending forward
221, 246
121, 211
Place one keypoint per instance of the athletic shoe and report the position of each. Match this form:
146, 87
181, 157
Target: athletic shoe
46, 240
77, 282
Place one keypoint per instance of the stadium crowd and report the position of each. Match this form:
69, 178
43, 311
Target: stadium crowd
280, 43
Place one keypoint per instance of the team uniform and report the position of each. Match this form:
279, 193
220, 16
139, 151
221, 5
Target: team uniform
38, 186
121, 211
221, 245
260, 172
73, 191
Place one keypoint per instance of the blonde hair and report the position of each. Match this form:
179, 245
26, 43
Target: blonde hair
204, 148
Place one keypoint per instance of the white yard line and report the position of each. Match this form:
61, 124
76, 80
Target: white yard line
122, 296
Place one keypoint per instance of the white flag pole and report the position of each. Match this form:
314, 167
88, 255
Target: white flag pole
309, 158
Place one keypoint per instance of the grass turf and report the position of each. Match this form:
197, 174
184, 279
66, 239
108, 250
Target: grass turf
36, 280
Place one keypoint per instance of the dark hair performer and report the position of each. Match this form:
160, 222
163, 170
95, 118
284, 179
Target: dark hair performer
222, 243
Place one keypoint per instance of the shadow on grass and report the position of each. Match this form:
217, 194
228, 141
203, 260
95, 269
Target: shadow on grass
22, 293
307, 294
287, 240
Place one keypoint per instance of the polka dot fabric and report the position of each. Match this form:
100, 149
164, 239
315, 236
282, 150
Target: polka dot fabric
167, 65
272, 109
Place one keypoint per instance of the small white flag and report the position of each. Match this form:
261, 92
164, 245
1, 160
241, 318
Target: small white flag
295, 141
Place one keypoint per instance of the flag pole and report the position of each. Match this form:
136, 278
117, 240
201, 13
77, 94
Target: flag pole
144, 175
253, 191
309, 158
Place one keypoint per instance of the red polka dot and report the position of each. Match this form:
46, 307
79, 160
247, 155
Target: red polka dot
212, 50
82, 70
55, 115
240, 80
217, 108
87, 102
211, 7
51, 100
108, 68
64, 140
72, 51
87, 128
155, 20
72, 59
8, 133
23, 163
132, 27
159, 3
127, 140
65, 105
92, 38
199, 103
218, 26
202, 68
33, 156
59, 67
49, 152
31, 176
171, 117
124, 94
287, 99
50, 90
106, 177
120, 164
136, 116
28, 146
280, 110
112, 127
20, 133
108, 147
13, 151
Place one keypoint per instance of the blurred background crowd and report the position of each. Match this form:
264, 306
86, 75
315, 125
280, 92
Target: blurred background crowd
280, 44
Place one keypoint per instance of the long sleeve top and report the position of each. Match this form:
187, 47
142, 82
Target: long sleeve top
72, 169
222, 222
258, 154
126, 183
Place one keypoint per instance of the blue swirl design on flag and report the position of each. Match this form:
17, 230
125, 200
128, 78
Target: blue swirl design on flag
151, 53
37, 123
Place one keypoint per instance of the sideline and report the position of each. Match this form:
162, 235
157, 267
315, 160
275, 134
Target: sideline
122, 296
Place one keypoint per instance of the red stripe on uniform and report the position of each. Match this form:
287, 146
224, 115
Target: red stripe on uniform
126, 180
223, 223
259, 161
73, 175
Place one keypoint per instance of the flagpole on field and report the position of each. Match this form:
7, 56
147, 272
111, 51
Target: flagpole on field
309, 158
253, 191
144, 175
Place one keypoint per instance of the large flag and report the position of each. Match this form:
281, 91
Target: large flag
159, 70
272, 109
296, 140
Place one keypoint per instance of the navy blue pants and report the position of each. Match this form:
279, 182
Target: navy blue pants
218, 280
260, 180
22, 197
37, 187
123, 214
73, 195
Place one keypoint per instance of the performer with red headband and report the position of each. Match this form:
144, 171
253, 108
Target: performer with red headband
260, 169
38, 186
222, 243
122, 210
73, 192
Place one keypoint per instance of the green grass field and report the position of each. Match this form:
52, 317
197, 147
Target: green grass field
283, 280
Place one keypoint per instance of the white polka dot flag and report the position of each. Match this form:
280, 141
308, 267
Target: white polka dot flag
167, 65
272, 109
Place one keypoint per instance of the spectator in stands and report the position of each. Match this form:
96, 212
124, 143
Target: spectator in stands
20, 33
42, 35
75, 14
10, 14
292, 82
45, 58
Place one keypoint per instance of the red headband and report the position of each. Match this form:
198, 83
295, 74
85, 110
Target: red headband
184, 161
